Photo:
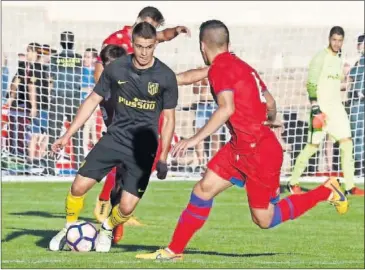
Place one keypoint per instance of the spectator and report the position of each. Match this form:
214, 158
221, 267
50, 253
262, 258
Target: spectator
42, 81
4, 78
22, 101
356, 95
88, 69
66, 72
205, 108
88, 83
45, 55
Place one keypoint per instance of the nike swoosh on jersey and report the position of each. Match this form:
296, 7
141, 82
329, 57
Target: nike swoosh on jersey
122, 82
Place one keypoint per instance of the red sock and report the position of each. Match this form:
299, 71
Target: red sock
296, 205
191, 220
108, 185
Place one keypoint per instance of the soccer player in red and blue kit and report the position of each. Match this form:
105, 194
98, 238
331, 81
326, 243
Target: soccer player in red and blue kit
253, 154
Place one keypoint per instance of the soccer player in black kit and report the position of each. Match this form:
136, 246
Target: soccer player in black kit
140, 87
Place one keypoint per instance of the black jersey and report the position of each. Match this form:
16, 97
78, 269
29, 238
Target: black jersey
137, 98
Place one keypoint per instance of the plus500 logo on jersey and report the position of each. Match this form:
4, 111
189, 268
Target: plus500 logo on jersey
138, 103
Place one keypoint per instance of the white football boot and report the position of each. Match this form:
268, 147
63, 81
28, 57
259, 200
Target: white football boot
104, 240
58, 241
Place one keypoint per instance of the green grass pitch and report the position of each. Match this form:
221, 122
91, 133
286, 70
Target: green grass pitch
33, 212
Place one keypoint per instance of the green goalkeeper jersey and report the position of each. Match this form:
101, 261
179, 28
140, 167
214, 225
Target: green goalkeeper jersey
324, 80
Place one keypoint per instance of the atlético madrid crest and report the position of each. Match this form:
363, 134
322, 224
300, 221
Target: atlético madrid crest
152, 88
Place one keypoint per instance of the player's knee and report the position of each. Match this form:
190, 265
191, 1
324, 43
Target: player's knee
81, 185
77, 189
263, 223
203, 189
262, 217
126, 209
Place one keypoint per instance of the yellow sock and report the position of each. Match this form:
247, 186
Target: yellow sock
347, 163
115, 218
74, 206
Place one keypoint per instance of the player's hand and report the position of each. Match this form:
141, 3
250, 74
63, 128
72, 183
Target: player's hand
161, 169
273, 124
183, 29
59, 144
183, 145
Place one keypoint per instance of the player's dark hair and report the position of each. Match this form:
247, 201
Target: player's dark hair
152, 13
144, 30
67, 40
93, 51
110, 53
220, 38
338, 30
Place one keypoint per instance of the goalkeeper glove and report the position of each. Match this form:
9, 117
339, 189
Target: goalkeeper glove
161, 170
315, 110
319, 117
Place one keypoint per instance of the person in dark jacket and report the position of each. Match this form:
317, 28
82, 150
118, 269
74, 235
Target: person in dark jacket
66, 72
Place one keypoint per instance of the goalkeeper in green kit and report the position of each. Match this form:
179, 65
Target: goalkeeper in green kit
328, 115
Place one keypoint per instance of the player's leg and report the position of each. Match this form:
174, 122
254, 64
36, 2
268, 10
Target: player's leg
96, 165
263, 190
315, 137
115, 197
101, 210
197, 211
267, 214
135, 176
339, 128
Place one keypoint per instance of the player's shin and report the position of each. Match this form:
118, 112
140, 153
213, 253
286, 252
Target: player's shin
74, 205
296, 205
115, 218
347, 163
301, 163
191, 220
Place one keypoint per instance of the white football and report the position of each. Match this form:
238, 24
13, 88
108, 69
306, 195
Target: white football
81, 236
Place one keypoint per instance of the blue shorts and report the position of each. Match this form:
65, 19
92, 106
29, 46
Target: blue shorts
204, 112
40, 123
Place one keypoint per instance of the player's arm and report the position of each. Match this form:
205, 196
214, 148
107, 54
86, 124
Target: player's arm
167, 132
270, 106
225, 109
220, 116
192, 76
171, 33
83, 113
169, 99
314, 73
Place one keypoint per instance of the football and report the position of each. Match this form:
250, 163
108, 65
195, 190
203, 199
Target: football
81, 236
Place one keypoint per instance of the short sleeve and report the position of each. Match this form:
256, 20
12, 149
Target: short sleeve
221, 80
103, 87
170, 93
